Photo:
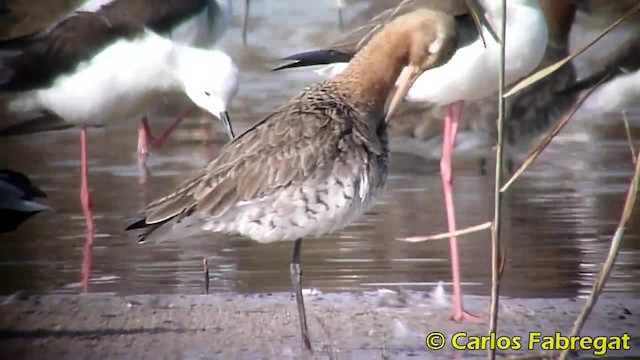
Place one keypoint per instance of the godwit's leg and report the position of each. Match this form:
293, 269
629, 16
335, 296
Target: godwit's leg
85, 199
145, 138
205, 265
453, 112
296, 277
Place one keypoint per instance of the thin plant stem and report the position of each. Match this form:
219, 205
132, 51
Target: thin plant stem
629, 137
497, 221
542, 73
447, 235
614, 249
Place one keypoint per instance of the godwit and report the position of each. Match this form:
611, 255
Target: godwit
100, 70
17, 203
471, 73
318, 162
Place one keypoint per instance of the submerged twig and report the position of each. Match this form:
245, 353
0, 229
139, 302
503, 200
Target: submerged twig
245, 21
496, 259
601, 280
465, 231
340, 5
205, 265
564, 119
629, 138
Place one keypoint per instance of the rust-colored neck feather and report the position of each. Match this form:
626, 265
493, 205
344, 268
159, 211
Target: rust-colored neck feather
372, 73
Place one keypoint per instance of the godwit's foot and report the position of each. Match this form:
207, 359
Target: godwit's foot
463, 315
296, 279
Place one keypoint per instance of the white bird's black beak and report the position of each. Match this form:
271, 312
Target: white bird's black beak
224, 116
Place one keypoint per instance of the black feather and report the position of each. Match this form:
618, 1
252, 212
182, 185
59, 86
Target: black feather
46, 121
315, 57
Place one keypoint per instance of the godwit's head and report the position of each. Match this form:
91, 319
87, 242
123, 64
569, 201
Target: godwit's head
430, 42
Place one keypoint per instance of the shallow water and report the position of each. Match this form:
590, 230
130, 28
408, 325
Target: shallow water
559, 217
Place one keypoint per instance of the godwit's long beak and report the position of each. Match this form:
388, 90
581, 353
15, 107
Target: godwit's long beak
245, 22
406, 79
224, 116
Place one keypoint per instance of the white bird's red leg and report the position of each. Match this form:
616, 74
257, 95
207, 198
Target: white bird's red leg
145, 138
85, 199
452, 117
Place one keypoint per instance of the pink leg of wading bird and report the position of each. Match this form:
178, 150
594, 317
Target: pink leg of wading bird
144, 133
145, 138
85, 199
452, 116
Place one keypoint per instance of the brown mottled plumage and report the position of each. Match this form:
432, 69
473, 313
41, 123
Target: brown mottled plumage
316, 163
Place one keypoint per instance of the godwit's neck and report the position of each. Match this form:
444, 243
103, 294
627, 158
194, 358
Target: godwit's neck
372, 73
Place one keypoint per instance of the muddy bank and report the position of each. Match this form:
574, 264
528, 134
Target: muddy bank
372, 325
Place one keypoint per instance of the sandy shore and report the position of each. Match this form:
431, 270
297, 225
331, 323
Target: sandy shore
370, 325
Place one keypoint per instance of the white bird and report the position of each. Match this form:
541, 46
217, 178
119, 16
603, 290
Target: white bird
102, 69
198, 23
472, 73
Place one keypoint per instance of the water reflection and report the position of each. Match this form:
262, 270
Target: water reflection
558, 218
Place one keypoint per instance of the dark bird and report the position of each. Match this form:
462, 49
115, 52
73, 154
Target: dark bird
17, 200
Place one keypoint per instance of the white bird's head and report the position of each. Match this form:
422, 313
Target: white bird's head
210, 79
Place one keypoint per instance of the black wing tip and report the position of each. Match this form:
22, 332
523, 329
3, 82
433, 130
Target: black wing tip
147, 228
22, 182
140, 224
45, 121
